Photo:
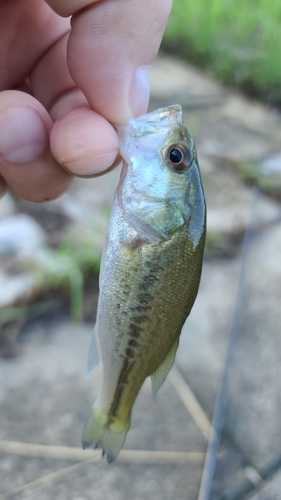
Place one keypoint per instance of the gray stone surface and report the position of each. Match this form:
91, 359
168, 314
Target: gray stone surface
272, 164
253, 415
14, 288
230, 203
252, 420
88, 205
19, 234
45, 399
221, 119
204, 337
270, 490
123, 482
43, 393
230, 481
7, 205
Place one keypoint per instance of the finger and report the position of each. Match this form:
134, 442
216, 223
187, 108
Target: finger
68, 7
50, 78
3, 187
82, 141
111, 48
28, 28
26, 162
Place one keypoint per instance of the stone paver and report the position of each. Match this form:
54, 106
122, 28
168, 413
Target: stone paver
253, 414
230, 481
44, 396
252, 418
270, 490
45, 399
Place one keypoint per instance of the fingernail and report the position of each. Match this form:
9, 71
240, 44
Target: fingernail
140, 89
23, 136
91, 165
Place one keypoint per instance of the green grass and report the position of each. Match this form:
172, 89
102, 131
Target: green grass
237, 40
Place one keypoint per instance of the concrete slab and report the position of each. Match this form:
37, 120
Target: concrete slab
46, 399
230, 481
269, 490
253, 415
44, 396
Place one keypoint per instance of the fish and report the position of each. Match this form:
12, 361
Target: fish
150, 269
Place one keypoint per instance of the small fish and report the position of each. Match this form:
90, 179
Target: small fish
150, 269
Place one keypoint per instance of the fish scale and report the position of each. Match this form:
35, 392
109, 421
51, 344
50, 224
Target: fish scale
151, 268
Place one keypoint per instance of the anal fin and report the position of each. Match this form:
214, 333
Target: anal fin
94, 354
158, 377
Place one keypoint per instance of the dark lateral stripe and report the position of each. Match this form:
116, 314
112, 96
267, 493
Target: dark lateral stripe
135, 330
121, 382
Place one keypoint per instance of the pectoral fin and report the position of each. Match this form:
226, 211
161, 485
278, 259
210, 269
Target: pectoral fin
158, 377
94, 354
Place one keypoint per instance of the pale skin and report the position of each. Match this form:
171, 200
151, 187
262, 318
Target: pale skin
66, 81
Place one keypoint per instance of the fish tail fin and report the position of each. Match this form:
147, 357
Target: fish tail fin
102, 431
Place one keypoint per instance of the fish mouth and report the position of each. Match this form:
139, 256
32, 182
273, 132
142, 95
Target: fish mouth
154, 122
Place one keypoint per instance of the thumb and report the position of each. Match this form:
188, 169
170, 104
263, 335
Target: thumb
111, 48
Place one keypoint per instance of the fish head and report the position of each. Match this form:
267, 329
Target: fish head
160, 188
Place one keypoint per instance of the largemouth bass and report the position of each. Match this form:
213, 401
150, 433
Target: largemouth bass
150, 269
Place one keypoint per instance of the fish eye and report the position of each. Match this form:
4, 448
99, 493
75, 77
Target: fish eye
178, 157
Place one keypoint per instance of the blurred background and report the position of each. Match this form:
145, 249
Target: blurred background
214, 430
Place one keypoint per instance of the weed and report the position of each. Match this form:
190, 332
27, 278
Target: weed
237, 40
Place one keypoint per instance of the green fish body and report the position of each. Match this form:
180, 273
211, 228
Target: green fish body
151, 268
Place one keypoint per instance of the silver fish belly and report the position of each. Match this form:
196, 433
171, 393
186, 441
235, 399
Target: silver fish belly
151, 268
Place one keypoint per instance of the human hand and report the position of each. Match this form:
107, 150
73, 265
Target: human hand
63, 86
